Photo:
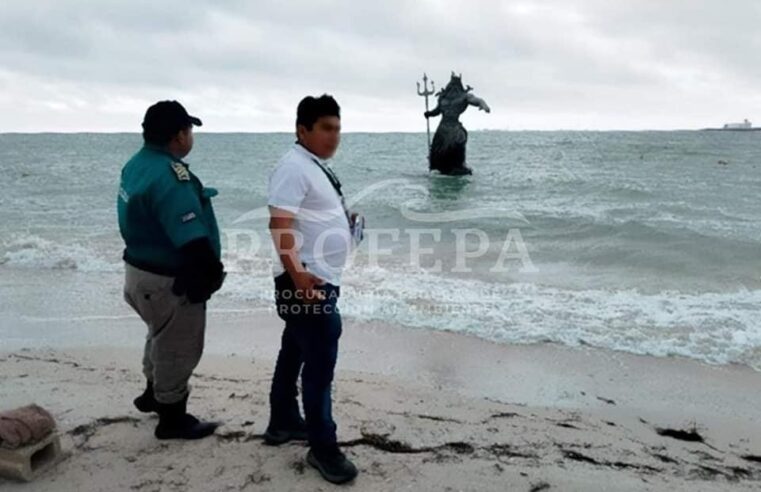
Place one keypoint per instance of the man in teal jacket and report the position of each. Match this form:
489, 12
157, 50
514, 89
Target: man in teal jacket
172, 264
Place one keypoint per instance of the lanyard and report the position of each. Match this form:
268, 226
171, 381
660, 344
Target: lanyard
336, 186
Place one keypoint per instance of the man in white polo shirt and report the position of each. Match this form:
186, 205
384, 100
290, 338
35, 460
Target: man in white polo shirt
313, 235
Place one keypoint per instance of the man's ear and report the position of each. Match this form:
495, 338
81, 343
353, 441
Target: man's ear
182, 135
300, 131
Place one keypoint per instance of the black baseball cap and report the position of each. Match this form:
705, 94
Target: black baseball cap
165, 118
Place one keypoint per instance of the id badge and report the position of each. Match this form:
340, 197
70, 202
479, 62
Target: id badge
358, 230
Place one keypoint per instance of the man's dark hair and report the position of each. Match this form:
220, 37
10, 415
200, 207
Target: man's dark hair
312, 109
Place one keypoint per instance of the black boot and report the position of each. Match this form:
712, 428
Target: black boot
332, 464
281, 434
176, 423
146, 402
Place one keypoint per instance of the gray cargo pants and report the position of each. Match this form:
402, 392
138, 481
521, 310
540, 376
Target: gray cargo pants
176, 331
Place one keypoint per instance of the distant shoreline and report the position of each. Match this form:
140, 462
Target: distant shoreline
731, 129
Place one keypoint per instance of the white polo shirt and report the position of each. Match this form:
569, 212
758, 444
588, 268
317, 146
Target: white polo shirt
323, 240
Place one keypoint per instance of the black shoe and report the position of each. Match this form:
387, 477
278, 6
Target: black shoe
333, 465
146, 402
276, 435
176, 423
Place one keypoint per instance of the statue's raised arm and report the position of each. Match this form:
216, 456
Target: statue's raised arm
478, 102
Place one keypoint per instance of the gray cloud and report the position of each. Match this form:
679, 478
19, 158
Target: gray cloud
76, 65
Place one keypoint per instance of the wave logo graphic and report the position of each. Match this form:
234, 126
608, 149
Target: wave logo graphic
471, 244
407, 209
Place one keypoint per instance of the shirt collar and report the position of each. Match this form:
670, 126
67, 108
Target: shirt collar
304, 151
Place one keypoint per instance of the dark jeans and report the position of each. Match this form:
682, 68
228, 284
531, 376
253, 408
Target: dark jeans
310, 340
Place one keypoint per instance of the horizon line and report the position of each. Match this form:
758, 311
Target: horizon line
380, 132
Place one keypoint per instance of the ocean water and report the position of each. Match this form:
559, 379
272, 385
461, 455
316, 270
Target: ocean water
646, 242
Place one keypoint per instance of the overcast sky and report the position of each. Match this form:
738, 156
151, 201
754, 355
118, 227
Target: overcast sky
68, 65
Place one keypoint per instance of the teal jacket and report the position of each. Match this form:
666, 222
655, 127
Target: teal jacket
162, 206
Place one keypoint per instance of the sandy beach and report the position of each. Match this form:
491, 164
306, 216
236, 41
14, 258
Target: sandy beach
416, 409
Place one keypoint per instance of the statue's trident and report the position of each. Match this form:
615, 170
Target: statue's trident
425, 92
